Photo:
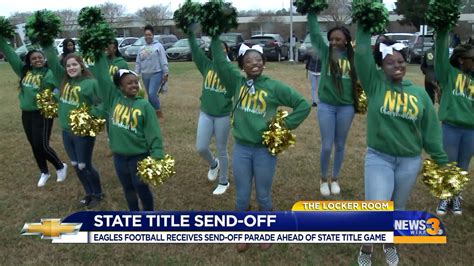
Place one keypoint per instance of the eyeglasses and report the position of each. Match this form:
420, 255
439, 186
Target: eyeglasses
122, 72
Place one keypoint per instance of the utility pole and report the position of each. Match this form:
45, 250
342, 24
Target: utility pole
292, 40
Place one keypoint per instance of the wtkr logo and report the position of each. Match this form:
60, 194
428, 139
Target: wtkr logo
430, 227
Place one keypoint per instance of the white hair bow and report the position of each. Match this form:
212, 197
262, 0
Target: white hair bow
386, 50
243, 48
122, 72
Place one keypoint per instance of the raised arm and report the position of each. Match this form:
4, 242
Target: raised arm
441, 64
54, 63
228, 74
364, 62
13, 59
317, 39
107, 89
200, 59
153, 133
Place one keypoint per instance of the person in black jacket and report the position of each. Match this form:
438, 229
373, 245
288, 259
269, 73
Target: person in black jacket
313, 71
427, 67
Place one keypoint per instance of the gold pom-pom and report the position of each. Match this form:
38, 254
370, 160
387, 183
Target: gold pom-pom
362, 101
47, 104
278, 138
155, 172
444, 182
83, 123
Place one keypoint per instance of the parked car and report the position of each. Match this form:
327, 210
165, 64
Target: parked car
417, 47
182, 51
274, 46
233, 40
124, 43
306, 47
132, 51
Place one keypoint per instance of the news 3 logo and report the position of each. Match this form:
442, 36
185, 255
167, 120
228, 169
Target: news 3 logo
430, 226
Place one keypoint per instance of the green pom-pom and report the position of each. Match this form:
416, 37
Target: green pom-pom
93, 40
89, 16
218, 17
187, 14
310, 6
443, 14
6, 28
371, 16
42, 27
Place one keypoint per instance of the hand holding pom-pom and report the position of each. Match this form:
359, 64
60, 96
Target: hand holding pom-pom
187, 15
89, 16
218, 17
155, 172
6, 28
444, 182
42, 27
278, 138
443, 14
310, 6
372, 16
83, 123
47, 104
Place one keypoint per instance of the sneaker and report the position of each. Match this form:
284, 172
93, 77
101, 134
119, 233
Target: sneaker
456, 205
84, 202
324, 189
242, 247
212, 174
221, 189
94, 202
335, 189
43, 178
391, 256
442, 207
364, 259
62, 173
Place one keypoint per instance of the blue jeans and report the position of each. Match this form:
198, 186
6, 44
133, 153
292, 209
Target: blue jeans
152, 82
126, 168
458, 144
79, 150
220, 127
314, 79
249, 163
334, 124
389, 177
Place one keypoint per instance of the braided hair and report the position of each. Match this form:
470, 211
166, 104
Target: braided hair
334, 67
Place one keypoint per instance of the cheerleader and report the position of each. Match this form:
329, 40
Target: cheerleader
401, 121
214, 118
337, 96
77, 86
256, 99
456, 110
134, 131
35, 76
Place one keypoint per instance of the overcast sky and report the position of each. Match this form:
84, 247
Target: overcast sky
7, 7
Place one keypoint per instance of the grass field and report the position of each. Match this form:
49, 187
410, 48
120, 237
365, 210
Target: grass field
296, 179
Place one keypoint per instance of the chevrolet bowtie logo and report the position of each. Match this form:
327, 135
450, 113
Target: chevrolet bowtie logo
50, 228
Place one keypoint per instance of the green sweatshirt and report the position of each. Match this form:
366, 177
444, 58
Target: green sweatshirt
34, 81
133, 125
115, 64
457, 100
74, 92
253, 113
213, 100
327, 91
401, 119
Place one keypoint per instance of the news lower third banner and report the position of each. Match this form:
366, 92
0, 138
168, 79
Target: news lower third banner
307, 222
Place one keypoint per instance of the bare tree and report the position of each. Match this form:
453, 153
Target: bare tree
155, 15
112, 13
68, 18
339, 11
19, 17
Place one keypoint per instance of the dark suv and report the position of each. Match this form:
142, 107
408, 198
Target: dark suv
274, 47
233, 40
